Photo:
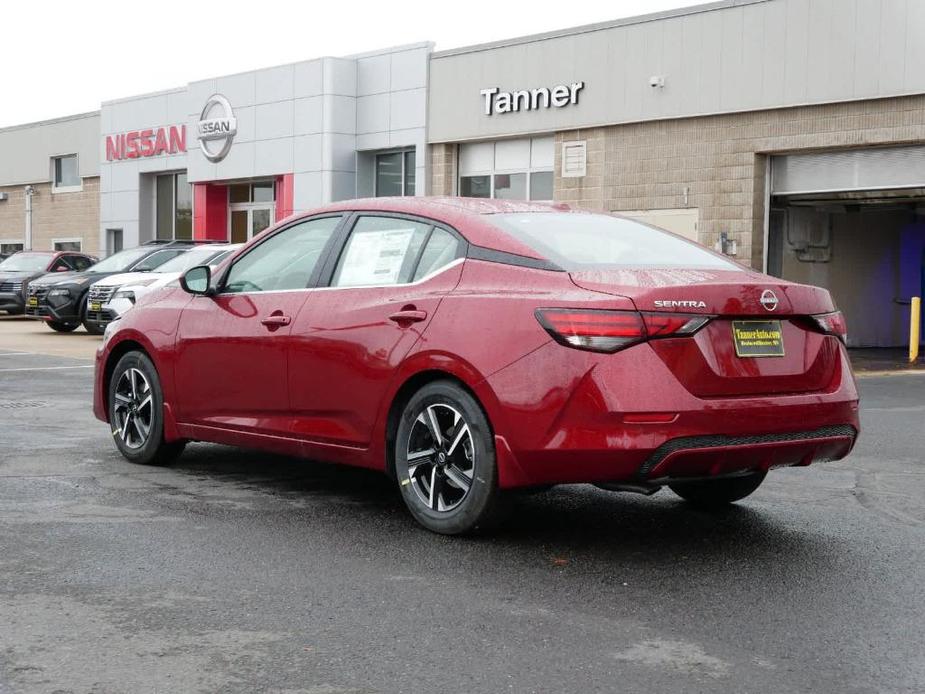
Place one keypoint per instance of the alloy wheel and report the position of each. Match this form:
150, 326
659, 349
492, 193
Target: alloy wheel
441, 457
133, 411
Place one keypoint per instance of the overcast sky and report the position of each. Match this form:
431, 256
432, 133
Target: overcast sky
63, 57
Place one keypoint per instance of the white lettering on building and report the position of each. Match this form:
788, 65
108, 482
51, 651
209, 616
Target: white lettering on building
561, 95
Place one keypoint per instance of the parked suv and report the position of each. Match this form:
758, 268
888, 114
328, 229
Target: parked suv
112, 296
19, 269
60, 300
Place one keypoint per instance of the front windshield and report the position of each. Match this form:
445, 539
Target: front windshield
197, 256
120, 261
25, 262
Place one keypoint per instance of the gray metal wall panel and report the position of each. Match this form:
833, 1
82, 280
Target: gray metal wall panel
26, 150
729, 57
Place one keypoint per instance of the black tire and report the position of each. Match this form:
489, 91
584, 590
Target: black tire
93, 329
710, 494
478, 507
60, 327
127, 420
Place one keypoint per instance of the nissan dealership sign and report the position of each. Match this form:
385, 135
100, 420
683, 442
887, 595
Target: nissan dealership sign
217, 128
497, 101
152, 142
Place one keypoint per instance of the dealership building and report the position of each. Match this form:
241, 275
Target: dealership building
788, 134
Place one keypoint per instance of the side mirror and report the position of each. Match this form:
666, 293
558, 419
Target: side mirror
197, 280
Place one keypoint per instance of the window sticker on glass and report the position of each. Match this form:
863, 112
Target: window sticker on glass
374, 257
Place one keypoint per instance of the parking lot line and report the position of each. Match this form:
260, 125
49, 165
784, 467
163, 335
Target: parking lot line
14, 354
49, 368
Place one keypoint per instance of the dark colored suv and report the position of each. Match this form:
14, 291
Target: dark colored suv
19, 269
60, 300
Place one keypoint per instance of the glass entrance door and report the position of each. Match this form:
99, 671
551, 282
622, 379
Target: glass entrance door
252, 208
248, 221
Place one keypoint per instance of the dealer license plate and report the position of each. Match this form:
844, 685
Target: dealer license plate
33, 301
758, 338
95, 305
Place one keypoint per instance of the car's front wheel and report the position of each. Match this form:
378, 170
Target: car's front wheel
445, 461
60, 327
718, 493
136, 412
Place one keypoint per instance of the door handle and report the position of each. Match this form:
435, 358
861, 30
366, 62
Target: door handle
408, 316
276, 320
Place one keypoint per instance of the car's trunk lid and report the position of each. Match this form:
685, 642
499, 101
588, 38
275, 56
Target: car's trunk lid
708, 363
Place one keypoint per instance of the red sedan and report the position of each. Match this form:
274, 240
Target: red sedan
470, 347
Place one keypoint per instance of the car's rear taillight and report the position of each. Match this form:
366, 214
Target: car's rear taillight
600, 330
673, 324
831, 324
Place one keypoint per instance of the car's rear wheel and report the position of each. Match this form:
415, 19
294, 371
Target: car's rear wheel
718, 493
60, 327
445, 461
136, 412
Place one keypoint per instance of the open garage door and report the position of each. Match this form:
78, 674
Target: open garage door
853, 222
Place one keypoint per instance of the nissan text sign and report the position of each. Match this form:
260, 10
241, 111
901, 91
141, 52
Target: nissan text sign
146, 143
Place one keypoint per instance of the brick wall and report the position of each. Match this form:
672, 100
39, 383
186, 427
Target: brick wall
721, 160
54, 216
443, 169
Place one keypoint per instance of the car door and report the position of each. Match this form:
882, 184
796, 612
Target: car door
231, 356
383, 289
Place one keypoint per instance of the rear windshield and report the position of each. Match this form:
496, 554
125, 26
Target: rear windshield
25, 262
588, 241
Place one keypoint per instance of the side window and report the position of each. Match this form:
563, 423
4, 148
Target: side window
81, 263
380, 251
442, 248
157, 259
62, 262
286, 260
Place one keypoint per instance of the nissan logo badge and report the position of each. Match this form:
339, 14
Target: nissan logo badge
217, 128
768, 300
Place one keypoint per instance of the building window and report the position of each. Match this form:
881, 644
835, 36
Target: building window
395, 174
113, 241
173, 207
508, 169
10, 247
262, 191
66, 177
67, 244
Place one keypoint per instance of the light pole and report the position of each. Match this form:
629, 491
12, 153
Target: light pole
29, 192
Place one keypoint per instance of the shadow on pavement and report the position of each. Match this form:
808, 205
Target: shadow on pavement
563, 527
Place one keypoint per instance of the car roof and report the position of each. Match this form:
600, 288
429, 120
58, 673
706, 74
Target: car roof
470, 216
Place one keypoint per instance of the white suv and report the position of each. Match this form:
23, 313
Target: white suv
114, 295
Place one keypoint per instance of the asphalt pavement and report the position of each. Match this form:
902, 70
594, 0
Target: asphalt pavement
236, 571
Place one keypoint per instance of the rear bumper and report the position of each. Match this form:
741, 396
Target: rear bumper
566, 416
712, 456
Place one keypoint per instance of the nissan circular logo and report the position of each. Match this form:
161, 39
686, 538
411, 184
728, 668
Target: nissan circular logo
217, 128
768, 300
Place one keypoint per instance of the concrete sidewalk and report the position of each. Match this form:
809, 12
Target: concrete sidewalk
869, 361
18, 334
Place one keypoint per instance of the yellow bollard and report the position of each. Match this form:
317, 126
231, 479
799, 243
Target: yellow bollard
915, 318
